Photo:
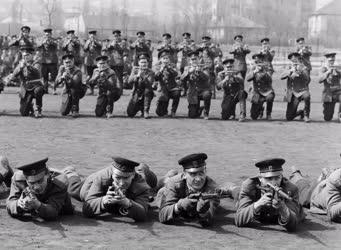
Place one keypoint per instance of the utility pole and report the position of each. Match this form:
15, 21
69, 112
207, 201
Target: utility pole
154, 14
125, 17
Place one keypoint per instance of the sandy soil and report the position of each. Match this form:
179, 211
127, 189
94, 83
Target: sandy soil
232, 147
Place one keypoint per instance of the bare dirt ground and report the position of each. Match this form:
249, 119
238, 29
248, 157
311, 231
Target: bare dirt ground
232, 148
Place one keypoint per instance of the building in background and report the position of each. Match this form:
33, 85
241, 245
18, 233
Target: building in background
281, 20
324, 25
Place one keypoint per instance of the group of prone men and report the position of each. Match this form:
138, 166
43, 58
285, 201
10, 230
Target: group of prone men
126, 188
198, 74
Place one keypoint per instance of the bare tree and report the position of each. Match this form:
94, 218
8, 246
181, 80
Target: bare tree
196, 15
50, 7
15, 10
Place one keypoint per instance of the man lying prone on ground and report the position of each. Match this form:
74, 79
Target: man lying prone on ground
189, 195
323, 195
117, 189
36, 192
269, 198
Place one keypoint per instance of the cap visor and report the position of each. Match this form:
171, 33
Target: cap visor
194, 170
271, 174
120, 173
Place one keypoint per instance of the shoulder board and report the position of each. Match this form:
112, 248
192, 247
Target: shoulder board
60, 181
77, 69
138, 185
211, 183
176, 179
111, 72
19, 176
251, 181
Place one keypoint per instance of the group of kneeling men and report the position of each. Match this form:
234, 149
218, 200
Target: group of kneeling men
126, 188
166, 80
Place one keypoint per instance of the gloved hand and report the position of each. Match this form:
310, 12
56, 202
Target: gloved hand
203, 206
186, 204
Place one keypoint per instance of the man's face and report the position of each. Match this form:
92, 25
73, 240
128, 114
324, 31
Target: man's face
194, 60
274, 180
187, 39
196, 180
91, 36
165, 59
70, 35
102, 65
228, 65
140, 38
48, 34
166, 40
301, 43
68, 63
206, 41
295, 60
38, 186
331, 60
238, 40
26, 56
122, 181
25, 32
265, 43
143, 63
258, 61
117, 37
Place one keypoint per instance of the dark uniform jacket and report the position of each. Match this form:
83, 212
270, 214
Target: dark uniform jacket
207, 64
107, 79
138, 49
96, 186
239, 54
176, 189
297, 82
326, 197
305, 55
233, 86
49, 51
167, 79
197, 82
332, 84
115, 54
26, 76
172, 51
262, 83
92, 50
185, 47
23, 41
268, 57
75, 79
249, 194
55, 200
72, 47
212, 50
141, 83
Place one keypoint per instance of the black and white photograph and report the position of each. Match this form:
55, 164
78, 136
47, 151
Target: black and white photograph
170, 124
